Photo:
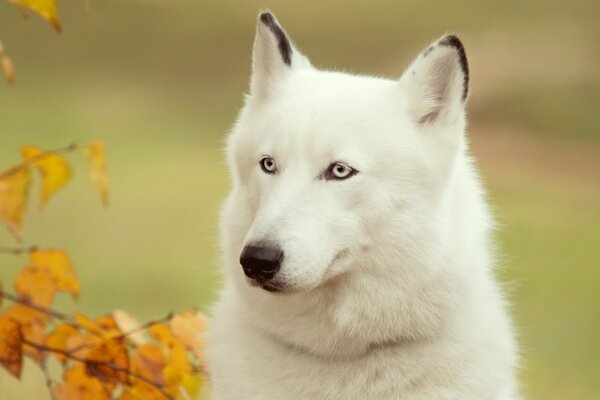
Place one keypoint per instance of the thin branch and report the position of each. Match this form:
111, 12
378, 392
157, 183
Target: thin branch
17, 250
145, 326
47, 311
124, 335
41, 347
8, 173
49, 382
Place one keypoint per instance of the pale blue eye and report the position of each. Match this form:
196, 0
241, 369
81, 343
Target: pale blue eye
339, 171
268, 165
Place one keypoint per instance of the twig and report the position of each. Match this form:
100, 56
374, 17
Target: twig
114, 367
49, 382
145, 326
17, 250
48, 311
8, 173
125, 334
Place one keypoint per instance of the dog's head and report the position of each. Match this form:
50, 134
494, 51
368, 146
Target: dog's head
337, 174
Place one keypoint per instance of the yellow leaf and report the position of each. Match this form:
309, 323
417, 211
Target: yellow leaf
97, 165
11, 353
113, 352
105, 326
47, 9
6, 66
148, 361
77, 385
32, 323
54, 169
188, 326
126, 324
59, 267
178, 365
36, 286
60, 337
192, 383
14, 188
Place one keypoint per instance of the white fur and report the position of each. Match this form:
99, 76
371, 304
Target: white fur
389, 274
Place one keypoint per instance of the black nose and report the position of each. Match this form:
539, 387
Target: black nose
261, 262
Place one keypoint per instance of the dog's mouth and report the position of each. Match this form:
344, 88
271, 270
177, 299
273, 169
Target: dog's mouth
270, 288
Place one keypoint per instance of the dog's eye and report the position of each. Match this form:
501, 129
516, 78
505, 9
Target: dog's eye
268, 165
339, 171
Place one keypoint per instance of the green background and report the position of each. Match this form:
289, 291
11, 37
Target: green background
161, 82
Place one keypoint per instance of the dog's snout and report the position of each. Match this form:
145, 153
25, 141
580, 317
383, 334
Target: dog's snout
261, 262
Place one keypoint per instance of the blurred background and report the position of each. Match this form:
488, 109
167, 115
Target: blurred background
161, 82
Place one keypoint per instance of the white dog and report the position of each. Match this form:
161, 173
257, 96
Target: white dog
356, 238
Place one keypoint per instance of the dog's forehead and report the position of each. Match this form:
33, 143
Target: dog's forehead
313, 102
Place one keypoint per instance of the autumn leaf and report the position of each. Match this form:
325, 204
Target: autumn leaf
105, 326
48, 272
33, 323
53, 168
58, 266
6, 66
11, 338
47, 9
177, 369
188, 327
78, 385
126, 324
149, 362
97, 166
14, 188
114, 353
59, 339
36, 285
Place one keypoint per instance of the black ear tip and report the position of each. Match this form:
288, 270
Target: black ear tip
451, 40
455, 42
267, 18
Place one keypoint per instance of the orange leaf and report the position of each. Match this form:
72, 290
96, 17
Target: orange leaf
178, 365
149, 362
36, 285
11, 339
14, 188
105, 326
58, 266
79, 386
54, 169
97, 165
26, 316
33, 324
127, 323
60, 337
111, 352
47, 9
6, 66
188, 327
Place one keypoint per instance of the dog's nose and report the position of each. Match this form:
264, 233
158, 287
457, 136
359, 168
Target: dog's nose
261, 262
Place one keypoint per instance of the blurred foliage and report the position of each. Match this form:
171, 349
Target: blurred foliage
161, 82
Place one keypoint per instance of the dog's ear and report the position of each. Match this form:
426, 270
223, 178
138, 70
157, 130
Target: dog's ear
437, 82
274, 55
